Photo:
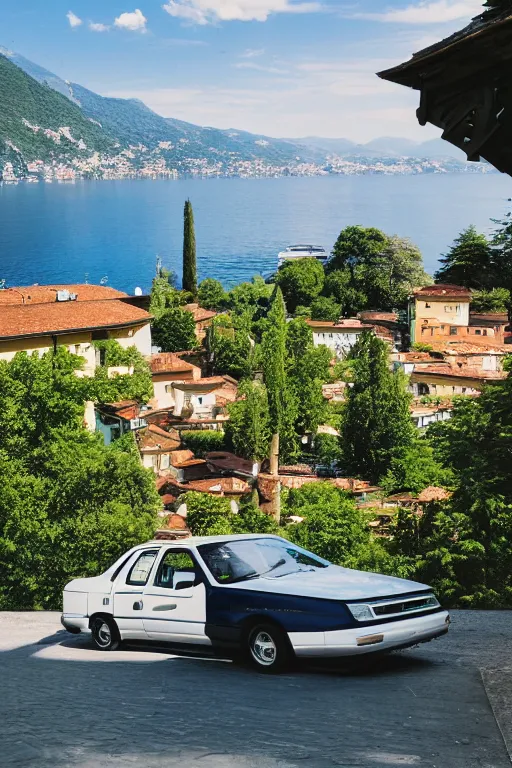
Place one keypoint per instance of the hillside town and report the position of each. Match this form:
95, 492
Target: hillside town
445, 350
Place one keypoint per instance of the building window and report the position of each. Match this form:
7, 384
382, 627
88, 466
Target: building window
423, 389
99, 335
453, 331
168, 388
484, 333
427, 305
478, 332
200, 400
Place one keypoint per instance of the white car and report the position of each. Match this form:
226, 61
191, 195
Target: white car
258, 594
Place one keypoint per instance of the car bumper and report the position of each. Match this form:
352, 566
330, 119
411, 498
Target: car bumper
75, 622
371, 639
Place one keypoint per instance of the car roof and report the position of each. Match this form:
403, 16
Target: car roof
195, 541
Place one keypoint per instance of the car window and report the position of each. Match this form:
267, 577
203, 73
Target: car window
140, 570
243, 559
174, 567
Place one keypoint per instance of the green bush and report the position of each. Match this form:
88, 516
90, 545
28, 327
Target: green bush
203, 441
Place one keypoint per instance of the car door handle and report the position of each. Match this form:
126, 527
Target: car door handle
167, 607
137, 606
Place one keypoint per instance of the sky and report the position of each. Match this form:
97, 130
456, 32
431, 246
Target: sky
284, 68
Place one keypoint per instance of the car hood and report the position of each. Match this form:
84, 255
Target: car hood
91, 584
333, 583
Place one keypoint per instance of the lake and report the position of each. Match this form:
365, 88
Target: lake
66, 233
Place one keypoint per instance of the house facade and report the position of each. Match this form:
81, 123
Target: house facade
42, 318
437, 312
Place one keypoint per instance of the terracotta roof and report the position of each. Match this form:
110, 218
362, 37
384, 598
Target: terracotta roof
21, 321
153, 438
489, 318
47, 294
302, 470
432, 493
442, 290
208, 384
125, 409
375, 315
339, 325
200, 314
216, 485
169, 362
184, 458
482, 347
223, 461
460, 373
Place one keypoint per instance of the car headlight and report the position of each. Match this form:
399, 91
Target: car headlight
361, 612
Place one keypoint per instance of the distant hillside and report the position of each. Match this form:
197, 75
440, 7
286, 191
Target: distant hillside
37, 122
133, 123
74, 132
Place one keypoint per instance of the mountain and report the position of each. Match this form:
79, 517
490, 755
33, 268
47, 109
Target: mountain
40, 74
132, 123
39, 123
63, 130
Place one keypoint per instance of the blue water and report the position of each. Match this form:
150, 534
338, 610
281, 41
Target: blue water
65, 232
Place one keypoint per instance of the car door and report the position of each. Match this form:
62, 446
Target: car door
128, 593
175, 599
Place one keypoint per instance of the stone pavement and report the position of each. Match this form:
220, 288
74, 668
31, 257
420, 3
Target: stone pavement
63, 704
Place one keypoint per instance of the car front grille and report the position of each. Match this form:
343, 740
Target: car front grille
400, 607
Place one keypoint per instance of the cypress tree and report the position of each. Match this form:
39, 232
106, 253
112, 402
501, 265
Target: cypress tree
377, 421
189, 250
281, 399
468, 262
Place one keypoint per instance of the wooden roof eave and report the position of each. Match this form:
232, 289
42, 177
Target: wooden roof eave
488, 45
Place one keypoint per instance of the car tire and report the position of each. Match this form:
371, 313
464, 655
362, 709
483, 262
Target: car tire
268, 649
105, 634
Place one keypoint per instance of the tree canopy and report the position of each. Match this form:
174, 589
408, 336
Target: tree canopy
301, 281
469, 262
175, 330
376, 420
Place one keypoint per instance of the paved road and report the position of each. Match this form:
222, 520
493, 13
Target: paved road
64, 704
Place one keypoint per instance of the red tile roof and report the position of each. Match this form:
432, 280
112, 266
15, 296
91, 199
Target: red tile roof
169, 362
20, 321
460, 373
200, 314
442, 290
47, 294
375, 315
155, 439
338, 325
483, 346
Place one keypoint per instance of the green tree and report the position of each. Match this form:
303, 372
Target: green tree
497, 300
468, 262
376, 421
414, 468
248, 431
307, 368
211, 294
324, 308
228, 349
189, 250
336, 529
467, 551
208, 515
357, 246
164, 293
69, 505
301, 281
175, 330
281, 400
340, 287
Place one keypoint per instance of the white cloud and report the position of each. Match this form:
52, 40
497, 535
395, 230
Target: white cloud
210, 11
260, 67
427, 12
97, 27
74, 20
134, 22
252, 53
337, 98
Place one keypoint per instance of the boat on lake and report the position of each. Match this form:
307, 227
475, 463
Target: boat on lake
294, 252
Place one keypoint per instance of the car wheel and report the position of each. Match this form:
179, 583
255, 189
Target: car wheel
268, 648
105, 634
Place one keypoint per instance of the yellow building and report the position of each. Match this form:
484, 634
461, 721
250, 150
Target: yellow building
437, 311
41, 318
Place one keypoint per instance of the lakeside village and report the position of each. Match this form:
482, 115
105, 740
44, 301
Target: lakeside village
306, 405
144, 163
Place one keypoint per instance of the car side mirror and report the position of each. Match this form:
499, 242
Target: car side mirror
183, 581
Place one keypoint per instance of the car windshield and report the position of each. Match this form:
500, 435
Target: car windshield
244, 559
